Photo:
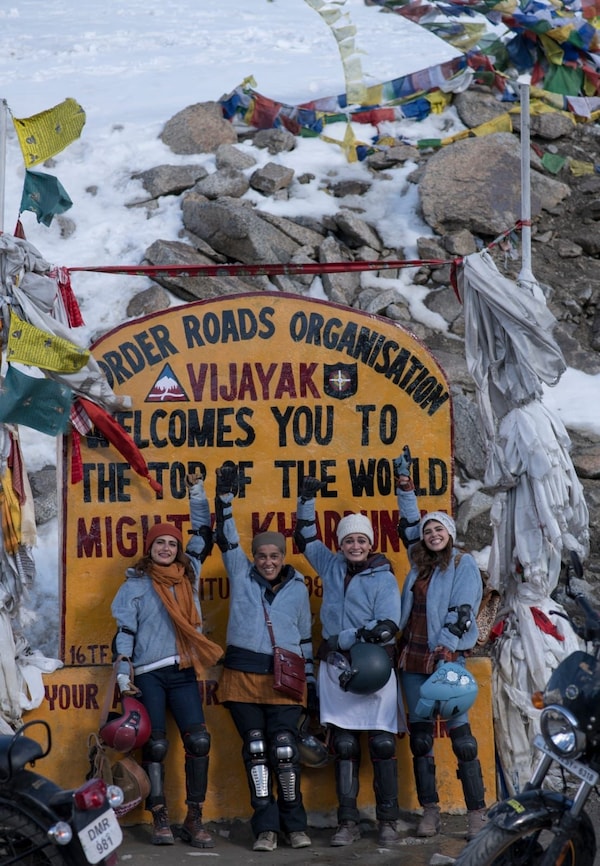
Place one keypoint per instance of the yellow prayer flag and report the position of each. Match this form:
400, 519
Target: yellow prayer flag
502, 123
30, 345
45, 134
579, 168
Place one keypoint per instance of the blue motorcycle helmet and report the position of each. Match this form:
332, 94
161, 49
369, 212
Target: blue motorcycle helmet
448, 692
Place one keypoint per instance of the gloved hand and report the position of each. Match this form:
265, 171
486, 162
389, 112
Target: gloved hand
402, 463
227, 478
309, 487
126, 687
312, 699
195, 484
331, 643
383, 632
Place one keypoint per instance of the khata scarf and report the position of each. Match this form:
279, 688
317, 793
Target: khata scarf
194, 649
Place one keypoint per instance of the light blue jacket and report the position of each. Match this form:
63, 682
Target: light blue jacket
149, 635
447, 589
289, 609
371, 596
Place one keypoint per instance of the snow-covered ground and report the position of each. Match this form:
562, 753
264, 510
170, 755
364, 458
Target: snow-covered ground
134, 64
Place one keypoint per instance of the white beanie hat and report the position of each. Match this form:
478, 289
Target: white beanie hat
442, 518
354, 523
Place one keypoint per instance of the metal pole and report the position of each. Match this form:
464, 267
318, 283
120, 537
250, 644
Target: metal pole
3, 126
526, 277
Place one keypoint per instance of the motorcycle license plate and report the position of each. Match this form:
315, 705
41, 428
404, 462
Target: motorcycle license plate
576, 767
101, 836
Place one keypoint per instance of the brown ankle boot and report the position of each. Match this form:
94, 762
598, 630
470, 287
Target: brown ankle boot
193, 830
476, 819
161, 832
430, 824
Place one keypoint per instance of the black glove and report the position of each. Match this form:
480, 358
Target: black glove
312, 700
227, 478
383, 632
402, 463
331, 644
309, 487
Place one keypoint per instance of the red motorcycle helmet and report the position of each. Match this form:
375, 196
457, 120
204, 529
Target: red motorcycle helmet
127, 731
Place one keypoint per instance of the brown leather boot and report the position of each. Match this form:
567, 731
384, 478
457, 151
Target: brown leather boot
193, 830
161, 831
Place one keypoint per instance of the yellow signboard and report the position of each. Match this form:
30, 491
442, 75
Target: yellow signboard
283, 385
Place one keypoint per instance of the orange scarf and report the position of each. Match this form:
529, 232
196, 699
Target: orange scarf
194, 649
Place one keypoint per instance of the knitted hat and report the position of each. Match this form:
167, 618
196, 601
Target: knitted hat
262, 538
354, 523
161, 529
442, 518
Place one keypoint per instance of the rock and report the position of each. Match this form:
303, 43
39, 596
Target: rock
356, 232
225, 182
149, 301
229, 156
191, 288
475, 184
238, 231
45, 495
199, 128
340, 288
275, 140
169, 179
271, 178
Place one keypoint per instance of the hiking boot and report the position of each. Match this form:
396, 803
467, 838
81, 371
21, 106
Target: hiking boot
161, 831
347, 833
388, 833
430, 823
193, 830
299, 839
266, 841
476, 819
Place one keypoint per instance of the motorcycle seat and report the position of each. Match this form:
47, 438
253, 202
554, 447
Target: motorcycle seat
15, 752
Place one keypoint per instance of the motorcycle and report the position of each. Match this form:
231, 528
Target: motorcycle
43, 825
540, 826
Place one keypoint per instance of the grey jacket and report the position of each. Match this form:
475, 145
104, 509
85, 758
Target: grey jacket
448, 589
371, 596
289, 609
146, 634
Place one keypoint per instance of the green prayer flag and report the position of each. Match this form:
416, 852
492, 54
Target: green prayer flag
44, 195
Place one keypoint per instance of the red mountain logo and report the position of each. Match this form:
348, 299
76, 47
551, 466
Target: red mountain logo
167, 388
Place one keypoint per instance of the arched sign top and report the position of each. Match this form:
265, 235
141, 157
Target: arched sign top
285, 386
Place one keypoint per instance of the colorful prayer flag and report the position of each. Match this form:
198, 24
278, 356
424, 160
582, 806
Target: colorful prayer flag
30, 345
45, 134
44, 195
35, 402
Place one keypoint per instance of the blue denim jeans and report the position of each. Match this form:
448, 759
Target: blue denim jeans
176, 690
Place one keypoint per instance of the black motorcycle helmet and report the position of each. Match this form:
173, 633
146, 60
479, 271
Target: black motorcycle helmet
367, 671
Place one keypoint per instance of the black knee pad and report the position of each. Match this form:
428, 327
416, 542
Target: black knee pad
283, 749
255, 745
382, 745
421, 738
197, 743
155, 749
346, 745
464, 744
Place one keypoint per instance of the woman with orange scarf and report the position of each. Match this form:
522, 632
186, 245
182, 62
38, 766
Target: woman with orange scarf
160, 633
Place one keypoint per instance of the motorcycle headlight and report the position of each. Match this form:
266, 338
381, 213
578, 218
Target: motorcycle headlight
560, 729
